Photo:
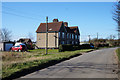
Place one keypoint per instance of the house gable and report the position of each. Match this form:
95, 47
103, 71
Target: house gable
52, 27
75, 29
62, 28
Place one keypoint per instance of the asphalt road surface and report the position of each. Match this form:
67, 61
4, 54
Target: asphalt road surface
96, 64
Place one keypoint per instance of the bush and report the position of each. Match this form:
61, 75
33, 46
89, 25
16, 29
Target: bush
101, 45
77, 47
30, 47
66, 47
70, 47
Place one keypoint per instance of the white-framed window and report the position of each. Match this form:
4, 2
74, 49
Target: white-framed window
62, 42
72, 36
67, 35
63, 34
72, 42
59, 34
76, 42
75, 36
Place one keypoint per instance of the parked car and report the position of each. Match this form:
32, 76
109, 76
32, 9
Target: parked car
19, 48
87, 46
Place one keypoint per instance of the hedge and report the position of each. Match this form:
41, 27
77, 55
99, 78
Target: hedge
66, 47
70, 47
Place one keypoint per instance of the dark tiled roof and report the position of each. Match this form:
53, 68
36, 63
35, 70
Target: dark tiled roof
69, 30
53, 26
74, 28
24, 40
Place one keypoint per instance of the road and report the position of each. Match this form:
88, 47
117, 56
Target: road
96, 64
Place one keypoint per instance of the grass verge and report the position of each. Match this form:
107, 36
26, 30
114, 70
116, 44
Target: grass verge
16, 64
118, 53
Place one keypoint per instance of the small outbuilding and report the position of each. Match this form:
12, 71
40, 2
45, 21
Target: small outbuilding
5, 46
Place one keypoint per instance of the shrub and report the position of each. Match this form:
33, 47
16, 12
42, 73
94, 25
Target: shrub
77, 47
85, 46
30, 47
66, 47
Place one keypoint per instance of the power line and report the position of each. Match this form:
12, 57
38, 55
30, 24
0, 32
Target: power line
20, 15
20, 11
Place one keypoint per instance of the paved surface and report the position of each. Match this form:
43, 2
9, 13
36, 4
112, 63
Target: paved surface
96, 64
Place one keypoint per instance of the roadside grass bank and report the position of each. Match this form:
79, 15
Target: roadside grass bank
118, 55
107, 47
17, 64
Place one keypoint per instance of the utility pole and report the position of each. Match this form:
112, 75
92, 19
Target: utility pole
118, 35
89, 38
97, 36
46, 35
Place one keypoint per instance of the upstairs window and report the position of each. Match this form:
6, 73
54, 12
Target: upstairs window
75, 36
63, 35
59, 34
72, 36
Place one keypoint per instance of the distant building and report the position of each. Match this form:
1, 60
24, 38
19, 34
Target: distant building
25, 41
58, 33
6, 46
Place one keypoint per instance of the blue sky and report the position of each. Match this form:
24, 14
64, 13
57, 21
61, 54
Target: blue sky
91, 17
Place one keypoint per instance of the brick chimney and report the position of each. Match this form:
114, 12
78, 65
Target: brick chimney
55, 20
66, 24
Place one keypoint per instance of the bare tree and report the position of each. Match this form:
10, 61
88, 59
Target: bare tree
0, 35
5, 34
116, 17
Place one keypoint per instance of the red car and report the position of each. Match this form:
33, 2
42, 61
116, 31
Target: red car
19, 48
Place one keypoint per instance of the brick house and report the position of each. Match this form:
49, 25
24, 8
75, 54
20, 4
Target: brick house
58, 33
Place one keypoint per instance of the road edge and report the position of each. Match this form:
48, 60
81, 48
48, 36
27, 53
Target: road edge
118, 64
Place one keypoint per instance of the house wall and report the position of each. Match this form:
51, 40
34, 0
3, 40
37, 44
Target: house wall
52, 40
68, 40
1, 47
41, 37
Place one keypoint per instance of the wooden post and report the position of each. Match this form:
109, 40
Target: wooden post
46, 35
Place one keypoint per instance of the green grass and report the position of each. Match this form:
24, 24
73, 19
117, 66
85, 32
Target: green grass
43, 51
118, 53
17, 61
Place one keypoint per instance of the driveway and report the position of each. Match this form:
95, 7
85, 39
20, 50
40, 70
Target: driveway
96, 64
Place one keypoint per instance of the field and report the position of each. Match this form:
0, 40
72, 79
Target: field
17, 61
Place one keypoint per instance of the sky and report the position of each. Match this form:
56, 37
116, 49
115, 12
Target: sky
22, 18
59, 0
